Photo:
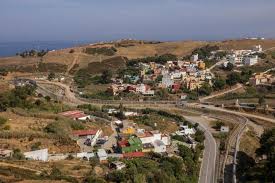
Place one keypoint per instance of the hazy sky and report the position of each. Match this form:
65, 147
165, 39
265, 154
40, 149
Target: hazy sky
32, 20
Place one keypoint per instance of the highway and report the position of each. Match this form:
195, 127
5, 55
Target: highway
208, 167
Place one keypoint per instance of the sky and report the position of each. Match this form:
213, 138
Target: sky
164, 20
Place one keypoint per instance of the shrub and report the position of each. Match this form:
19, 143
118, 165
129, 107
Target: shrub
2, 121
18, 155
35, 146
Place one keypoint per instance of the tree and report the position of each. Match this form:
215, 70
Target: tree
261, 100
205, 89
18, 155
48, 98
229, 67
106, 77
219, 84
267, 148
51, 76
233, 78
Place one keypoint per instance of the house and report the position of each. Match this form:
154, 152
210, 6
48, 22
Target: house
224, 129
4, 153
159, 146
185, 130
257, 48
85, 155
261, 78
250, 60
167, 81
194, 58
118, 165
148, 147
76, 115
133, 144
90, 135
129, 130
102, 155
144, 89
176, 87
39, 155
129, 113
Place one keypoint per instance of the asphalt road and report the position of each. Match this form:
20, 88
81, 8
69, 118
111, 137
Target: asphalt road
207, 171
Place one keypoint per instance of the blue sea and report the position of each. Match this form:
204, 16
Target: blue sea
11, 48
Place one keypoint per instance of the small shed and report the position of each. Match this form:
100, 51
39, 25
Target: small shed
224, 129
102, 155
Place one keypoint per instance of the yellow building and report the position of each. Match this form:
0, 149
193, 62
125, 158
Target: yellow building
129, 130
201, 65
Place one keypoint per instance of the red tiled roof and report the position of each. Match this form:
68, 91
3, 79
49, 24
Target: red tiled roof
123, 143
73, 114
133, 155
69, 113
84, 132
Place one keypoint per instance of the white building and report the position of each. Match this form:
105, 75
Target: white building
87, 155
118, 165
150, 137
195, 58
102, 155
167, 81
159, 146
225, 129
185, 130
257, 48
250, 60
40, 155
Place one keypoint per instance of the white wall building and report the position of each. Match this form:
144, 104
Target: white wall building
40, 155
250, 60
102, 155
195, 58
159, 146
167, 81
257, 48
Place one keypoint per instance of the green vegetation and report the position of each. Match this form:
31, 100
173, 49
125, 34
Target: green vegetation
18, 155
36, 146
273, 55
2, 121
263, 170
205, 51
106, 77
205, 90
157, 168
33, 53
218, 125
158, 59
17, 97
3, 72
108, 51
218, 84
51, 76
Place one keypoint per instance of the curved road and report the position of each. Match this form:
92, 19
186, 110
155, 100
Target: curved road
208, 167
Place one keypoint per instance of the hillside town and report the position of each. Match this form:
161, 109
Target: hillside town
127, 140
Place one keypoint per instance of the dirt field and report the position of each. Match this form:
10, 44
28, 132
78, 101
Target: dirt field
29, 126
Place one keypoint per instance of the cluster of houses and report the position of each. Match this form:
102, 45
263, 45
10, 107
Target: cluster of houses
262, 79
172, 75
244, 57
139, 140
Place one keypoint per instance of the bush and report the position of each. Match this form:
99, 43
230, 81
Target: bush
18, 155
2, 121
36, 146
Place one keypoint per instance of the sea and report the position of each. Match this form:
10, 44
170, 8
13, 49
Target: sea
11, 48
